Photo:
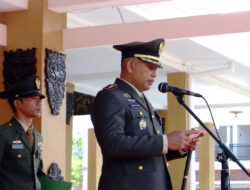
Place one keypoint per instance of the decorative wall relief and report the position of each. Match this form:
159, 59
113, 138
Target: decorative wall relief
18, 65
82, 103
55, 79
54, 172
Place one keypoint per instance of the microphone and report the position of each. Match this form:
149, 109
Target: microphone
164, 87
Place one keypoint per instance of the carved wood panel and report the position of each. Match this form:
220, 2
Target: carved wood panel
18, 65
55, 79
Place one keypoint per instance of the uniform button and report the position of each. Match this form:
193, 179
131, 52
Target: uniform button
140, 113
157, 132
153, 116
140, 168
19, 156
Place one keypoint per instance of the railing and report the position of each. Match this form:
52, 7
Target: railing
241, 151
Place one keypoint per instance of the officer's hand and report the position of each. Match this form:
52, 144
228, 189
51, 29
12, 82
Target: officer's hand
193, 144
182, 140
195, 141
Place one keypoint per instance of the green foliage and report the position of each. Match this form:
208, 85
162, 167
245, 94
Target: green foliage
77, 161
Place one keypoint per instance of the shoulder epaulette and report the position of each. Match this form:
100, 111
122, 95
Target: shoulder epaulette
111, 87
5, 126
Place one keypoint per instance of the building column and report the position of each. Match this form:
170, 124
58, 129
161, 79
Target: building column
206, 160
40, 28
95, 161
177, 119
69, 132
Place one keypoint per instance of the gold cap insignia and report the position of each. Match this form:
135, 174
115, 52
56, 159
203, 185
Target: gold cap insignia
38, 83
161, 46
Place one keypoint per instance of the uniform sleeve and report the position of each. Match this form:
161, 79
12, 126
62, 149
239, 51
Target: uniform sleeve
2, 148
174, 154
109, 119
40, 172
171, 155
39, 146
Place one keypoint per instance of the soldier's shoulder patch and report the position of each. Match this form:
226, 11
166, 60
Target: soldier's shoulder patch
111, 87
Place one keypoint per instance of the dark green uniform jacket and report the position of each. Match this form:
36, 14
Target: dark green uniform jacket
19, 165
130, 136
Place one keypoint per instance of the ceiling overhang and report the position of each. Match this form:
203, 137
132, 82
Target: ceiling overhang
177, 28
208, 75
9, 6
63, 6
13, 5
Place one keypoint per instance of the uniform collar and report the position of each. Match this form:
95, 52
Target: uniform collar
136, 90
127, 87
25, 127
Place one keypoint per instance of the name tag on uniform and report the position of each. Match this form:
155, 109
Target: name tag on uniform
17, 144
134, 105
131, 100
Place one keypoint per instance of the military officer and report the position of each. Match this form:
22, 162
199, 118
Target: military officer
20, 142
128, 129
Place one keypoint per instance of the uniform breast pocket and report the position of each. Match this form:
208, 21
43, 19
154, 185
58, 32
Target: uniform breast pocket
16, 160
138, 123
17, 154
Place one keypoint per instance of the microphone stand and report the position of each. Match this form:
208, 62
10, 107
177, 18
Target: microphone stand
225, 180
185, 177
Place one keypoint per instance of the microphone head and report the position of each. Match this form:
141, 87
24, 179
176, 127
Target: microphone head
163, 87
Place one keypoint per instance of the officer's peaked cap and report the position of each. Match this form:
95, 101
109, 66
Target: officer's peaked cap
26, 88
146, 51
